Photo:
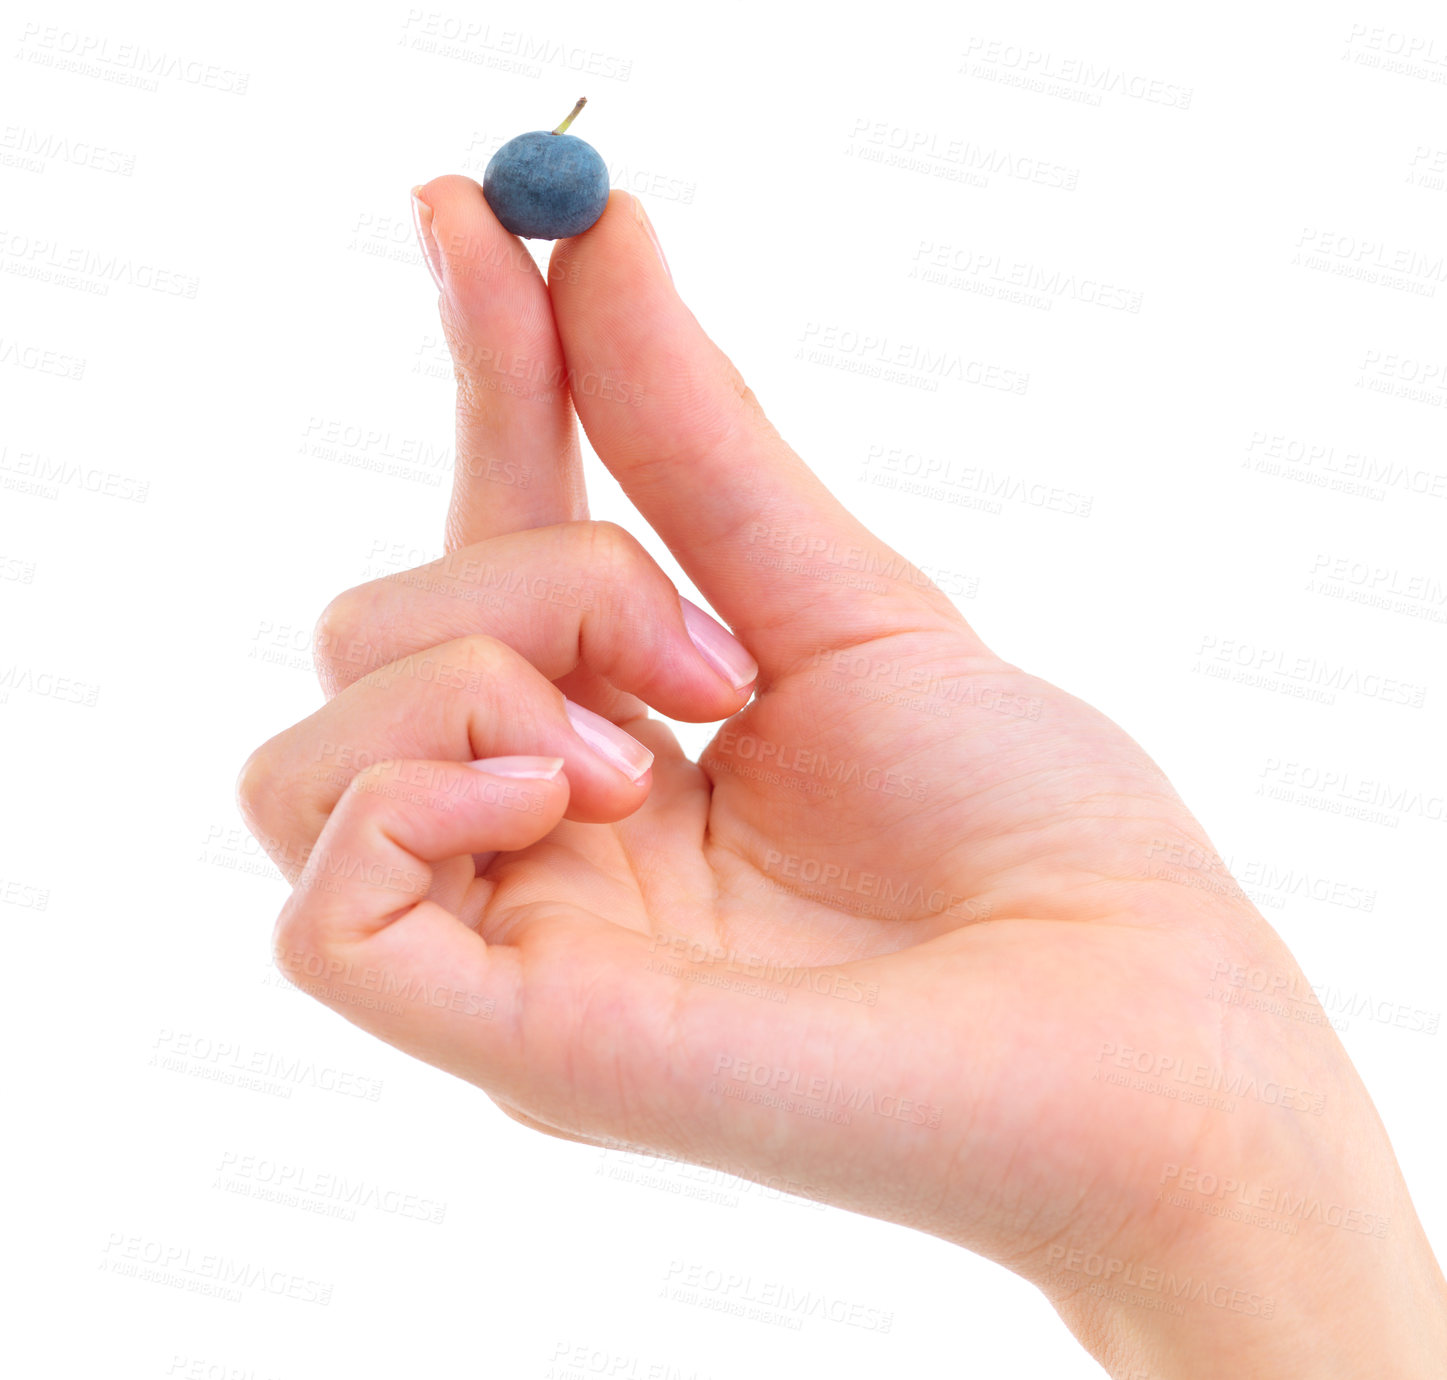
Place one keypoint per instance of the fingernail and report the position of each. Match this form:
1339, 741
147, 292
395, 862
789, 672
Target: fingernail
615, 747
522, 768
651, 233
718, 646
422, 219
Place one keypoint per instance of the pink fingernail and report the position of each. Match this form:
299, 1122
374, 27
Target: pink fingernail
651, 233
422, 219
615, 747
718, 646
522, 768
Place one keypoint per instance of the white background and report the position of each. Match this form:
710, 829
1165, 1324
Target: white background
205, 272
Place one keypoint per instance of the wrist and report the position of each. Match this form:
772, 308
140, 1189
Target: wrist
1238, 1294
1385, 1317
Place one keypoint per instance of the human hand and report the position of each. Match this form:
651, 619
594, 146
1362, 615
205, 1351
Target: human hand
974, 898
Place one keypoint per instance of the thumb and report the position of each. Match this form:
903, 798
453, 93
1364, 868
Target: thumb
761, 536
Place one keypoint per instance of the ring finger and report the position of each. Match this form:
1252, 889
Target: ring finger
463, 700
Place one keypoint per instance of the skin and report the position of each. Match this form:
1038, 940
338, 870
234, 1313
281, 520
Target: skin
1023, 964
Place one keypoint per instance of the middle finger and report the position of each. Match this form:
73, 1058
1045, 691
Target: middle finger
582, 597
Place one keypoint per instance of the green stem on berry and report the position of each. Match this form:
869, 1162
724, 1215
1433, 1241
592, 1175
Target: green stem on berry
582, 101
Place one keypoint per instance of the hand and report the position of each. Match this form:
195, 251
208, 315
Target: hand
904, 935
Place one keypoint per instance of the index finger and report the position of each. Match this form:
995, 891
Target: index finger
518, 460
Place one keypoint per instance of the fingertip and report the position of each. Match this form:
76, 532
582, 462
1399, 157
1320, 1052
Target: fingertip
519, 767
640, 213
480, 257
615, 747
623, 233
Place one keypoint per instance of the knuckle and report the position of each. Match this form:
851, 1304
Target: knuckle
255, 786
479, 652
288, 947
618, 568
614, 552
369, 781
262, 796
298, 948
471, 393
462, 665
629, 577
340, 636
367, 794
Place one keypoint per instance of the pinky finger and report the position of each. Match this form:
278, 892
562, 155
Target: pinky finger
363, 930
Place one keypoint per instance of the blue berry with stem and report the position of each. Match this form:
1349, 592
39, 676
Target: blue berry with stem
547, 185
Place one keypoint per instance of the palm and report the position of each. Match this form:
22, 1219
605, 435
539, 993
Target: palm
1039, 819
986, 812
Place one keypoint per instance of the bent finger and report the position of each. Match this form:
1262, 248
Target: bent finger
363, 931
464, 700
585, 593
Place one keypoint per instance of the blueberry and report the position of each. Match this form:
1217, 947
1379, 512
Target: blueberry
547, 185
